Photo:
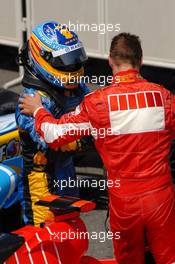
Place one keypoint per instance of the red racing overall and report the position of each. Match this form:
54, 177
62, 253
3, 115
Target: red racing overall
139, 124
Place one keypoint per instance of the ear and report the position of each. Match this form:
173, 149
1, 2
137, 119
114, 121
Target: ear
110, 60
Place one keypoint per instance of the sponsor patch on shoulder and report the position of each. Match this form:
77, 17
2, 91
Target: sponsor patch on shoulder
136, 112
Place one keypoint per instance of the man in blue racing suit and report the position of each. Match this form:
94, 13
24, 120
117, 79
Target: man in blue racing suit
52, 60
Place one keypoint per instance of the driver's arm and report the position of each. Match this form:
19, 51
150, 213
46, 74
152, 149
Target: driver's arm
69, 127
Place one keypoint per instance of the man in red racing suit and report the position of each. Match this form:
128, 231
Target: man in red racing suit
133, 124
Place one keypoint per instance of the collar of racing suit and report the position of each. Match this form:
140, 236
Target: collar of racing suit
127, 76
66, 102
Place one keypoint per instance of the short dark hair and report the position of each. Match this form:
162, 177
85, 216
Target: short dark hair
126, 47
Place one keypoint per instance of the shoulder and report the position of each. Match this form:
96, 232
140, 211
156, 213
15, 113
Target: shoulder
94, 98
91, 96
160, 88
31, 91
97, 93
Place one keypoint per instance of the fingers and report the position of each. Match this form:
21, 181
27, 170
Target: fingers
20, 106
30, 97
25, 112
23, 99
37, 95
22, 103
24, 109
26, 98
28, 103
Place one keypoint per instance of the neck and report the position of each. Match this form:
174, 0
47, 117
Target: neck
123, 67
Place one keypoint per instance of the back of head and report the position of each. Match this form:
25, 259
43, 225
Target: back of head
126, 48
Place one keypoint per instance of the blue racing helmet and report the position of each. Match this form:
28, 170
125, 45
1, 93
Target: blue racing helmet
56, 54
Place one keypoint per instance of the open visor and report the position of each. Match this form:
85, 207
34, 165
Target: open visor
77, 56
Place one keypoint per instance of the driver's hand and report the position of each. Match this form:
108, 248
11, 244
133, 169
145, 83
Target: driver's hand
29, 103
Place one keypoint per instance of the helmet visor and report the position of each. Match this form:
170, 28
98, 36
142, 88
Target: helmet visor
77, 56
